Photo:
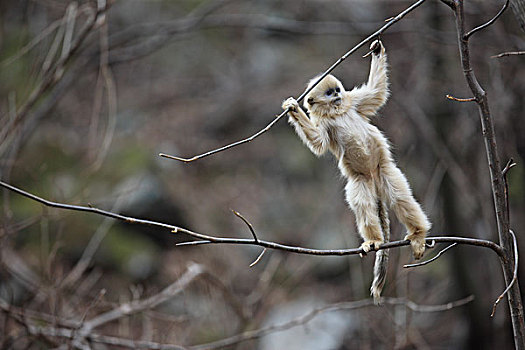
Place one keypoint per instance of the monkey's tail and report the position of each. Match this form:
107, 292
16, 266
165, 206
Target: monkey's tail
381, 263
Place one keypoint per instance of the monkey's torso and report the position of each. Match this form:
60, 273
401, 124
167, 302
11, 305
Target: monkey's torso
358, 146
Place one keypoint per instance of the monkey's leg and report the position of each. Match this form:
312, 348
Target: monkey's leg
361, 196
407, 209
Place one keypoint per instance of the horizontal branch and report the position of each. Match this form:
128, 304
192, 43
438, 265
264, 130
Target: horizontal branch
510, 53
67, 333
207, 239
470, 99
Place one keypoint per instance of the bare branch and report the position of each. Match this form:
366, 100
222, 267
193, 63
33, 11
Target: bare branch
254, 334
101, 339
133, 344
434, 258
52, 75
247, 224
301, 97
79, 331
28, 314
510, 164
133, 307
39, 38
497, 179
470, 99
207, 239
510, 53
352, 305
483, 26
514, 276
89, 252
258, 258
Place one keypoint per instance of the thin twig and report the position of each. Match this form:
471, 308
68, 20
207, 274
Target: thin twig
101, 339
28, 314
510, 53
301, 320
247, 224
91, 305
483, 26
89, 252
207, 239
510, 164
136, 306
430, 260
39, 38
470, 99
258, 258
514, 276
53, 75
133, 344
232, 299
302, 96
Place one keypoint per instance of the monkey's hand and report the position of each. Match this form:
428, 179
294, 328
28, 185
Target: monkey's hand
376, 48
417, 242
294, 110
291, 104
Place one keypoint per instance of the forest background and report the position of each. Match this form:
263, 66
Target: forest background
89, 99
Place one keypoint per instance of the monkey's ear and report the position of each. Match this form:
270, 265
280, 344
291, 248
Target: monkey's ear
311, 101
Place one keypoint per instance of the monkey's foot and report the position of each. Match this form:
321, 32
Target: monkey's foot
290, 104
417, 242
370, 245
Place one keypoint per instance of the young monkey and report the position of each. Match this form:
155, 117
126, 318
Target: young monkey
338, 121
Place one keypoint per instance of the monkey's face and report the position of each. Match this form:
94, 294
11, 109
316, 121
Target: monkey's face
326, 99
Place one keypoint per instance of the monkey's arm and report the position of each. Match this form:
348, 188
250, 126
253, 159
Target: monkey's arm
315, 138
368, 98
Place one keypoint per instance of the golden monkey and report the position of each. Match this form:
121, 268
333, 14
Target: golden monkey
338, 121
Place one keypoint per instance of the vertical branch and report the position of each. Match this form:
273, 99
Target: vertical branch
496, 175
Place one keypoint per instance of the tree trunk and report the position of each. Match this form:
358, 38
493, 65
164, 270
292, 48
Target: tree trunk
496, 175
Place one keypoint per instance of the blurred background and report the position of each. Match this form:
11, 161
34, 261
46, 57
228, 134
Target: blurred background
89, 99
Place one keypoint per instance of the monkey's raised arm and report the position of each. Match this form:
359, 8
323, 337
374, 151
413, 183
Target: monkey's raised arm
368, 98
315, 138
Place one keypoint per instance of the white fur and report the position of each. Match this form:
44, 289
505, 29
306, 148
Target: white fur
339, 122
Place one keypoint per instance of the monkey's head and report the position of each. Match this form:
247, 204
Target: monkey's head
327, 99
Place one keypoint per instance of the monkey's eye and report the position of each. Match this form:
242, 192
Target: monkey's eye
337, 90
329, 92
